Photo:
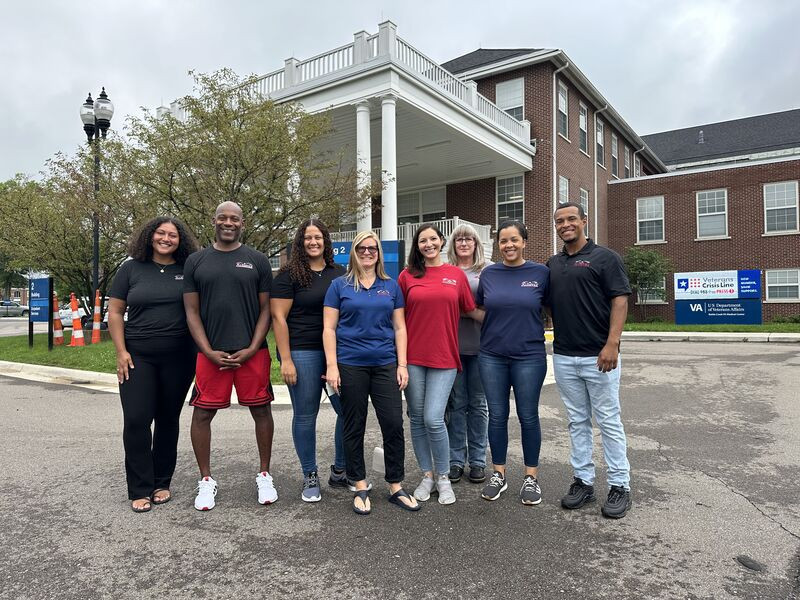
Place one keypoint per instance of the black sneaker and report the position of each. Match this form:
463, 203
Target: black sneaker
455, 474
530, 493
496, 486
340, 479
477, 474
578, 495
617, 503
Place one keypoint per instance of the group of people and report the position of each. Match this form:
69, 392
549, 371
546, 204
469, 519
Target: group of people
455, 336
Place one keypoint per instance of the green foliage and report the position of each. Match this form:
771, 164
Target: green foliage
789, 319
647, 269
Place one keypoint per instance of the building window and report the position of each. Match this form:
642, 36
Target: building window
637, 166
563, 103
510, 194
712, 214
563, 189
650, 219
783, 285
583, 129
511, 97
585, 205
780, 207
601, 143
652, 295
627, 162
421, 206
614, 156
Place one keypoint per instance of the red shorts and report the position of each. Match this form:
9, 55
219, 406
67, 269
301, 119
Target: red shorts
213, 386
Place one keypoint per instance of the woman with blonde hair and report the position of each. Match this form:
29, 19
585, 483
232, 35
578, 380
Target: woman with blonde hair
467, 413
364, 335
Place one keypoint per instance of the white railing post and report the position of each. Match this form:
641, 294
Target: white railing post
291, 74
526, 128
387, 39
360, 48
472, 94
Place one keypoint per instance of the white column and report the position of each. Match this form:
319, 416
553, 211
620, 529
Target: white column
389, 169
363, 162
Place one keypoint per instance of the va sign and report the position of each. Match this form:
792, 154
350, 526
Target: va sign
724, 297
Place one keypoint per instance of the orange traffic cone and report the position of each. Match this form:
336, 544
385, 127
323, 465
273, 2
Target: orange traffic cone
96, 319
58, 329
77, 328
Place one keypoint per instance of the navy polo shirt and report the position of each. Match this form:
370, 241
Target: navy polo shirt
365, 333
581, 288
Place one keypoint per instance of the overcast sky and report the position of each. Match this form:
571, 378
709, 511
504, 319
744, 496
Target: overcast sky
662, 64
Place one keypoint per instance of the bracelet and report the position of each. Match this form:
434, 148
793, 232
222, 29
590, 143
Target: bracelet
404, 366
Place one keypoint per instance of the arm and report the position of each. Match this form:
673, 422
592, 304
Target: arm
607, 359
401, 344
116, 327
237, 359
191, 303
280, 307
330, 319
476, 314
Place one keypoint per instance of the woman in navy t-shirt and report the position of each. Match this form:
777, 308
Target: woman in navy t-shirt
512, 354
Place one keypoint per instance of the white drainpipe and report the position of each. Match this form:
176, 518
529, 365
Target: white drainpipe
594, 210
555, 151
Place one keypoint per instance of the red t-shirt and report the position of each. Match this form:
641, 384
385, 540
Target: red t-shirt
434, 303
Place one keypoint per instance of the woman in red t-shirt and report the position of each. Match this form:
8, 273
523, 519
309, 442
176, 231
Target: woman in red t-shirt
436, 294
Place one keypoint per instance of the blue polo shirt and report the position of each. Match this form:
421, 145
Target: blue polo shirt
365, 333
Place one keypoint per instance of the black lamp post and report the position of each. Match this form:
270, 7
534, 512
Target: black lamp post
96, 116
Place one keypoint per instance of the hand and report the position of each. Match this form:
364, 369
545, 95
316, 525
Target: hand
333, 379
124, 362
237, 359
402, 377
288, 372
607, 359
222, 360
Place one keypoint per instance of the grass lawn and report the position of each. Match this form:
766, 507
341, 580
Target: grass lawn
99, 357
765, 328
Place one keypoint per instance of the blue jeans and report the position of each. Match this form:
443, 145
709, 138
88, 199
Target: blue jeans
427, 394
586, 392
467, 416
306, 395
526, 376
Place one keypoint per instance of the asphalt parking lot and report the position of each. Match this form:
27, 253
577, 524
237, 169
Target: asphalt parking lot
714, 438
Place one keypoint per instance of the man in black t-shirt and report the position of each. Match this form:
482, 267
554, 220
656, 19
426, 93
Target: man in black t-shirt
226, 294
588, 300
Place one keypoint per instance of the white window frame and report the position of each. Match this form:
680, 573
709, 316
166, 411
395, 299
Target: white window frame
771, 273
563, 189
796, 208
583, 128
640, 220
698, 216
584, 202
637, 166
646, 299
600, 143
562, 87
614, 155
627, 171
519, 81
497, 202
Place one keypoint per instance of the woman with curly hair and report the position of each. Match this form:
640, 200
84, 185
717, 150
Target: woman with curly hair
296, 304
155, 355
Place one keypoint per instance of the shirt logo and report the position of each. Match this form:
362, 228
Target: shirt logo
244, 265
382, 293
531, 284
178, 277
447, 281
582, 263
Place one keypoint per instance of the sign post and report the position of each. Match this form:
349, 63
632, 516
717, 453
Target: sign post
41, 304
718, 297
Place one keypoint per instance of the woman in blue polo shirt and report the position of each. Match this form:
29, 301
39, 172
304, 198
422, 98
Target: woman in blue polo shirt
364, 335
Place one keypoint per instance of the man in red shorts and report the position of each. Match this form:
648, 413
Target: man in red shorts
226, 295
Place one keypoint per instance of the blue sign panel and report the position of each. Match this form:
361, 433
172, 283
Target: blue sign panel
393, 259
750, 283
40, 294
722, 311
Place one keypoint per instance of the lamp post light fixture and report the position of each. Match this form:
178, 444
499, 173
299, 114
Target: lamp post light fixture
96, 117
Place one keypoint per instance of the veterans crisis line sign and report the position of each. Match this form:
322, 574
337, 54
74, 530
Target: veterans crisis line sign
725, 297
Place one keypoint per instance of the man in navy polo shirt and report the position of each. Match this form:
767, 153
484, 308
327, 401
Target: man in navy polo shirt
588, 300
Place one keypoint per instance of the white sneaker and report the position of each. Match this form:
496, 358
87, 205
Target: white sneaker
267, 494
206, 490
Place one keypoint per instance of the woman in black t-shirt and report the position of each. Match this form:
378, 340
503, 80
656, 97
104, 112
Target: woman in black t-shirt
296, 303
155, 355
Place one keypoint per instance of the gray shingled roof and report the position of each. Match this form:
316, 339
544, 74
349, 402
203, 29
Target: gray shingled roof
763, 133
484, 56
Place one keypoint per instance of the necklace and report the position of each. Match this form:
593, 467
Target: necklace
318, 273
160, 266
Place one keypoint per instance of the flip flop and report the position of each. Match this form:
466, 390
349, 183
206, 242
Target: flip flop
163, 500
143, 509
364, 495
401, 493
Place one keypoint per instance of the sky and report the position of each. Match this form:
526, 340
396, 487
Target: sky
662, 64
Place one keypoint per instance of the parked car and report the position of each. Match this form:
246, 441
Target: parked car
65, 314
10, 308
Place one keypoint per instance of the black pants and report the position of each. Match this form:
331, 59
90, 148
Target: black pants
163, 371
358, 384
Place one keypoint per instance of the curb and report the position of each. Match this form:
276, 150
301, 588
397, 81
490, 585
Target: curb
721, 337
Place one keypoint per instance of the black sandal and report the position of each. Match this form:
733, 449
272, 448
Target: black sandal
364, 495
144, 508
401, 493
162, 500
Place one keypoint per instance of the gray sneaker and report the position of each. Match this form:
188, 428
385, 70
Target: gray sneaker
311, 491
445, 489
424, 489
530, 493
496, 486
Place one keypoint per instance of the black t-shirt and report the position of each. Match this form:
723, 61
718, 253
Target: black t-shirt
581, 289
154, 299
305, 316
228, 284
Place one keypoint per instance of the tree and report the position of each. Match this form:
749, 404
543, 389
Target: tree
647, 271
9, 278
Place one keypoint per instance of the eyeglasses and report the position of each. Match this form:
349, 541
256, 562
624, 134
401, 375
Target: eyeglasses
367, 250
464, 240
